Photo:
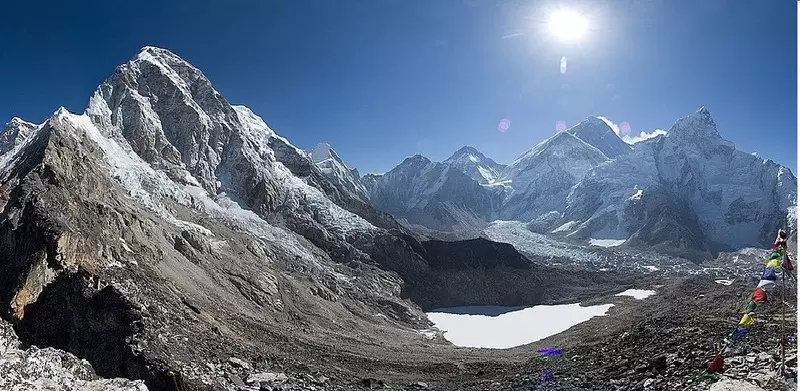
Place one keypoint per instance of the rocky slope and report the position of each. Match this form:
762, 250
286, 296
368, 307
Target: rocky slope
161, 216
50, 369
660, 343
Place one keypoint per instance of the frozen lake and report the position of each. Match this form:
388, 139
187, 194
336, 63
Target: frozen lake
498, 327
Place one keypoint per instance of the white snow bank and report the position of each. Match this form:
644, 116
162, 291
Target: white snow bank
727, 384
470, 328
724, 282
606, 242
637, 294
565, 227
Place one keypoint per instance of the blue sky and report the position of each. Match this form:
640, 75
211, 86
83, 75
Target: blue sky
384, 79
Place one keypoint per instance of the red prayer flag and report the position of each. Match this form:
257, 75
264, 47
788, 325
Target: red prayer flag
716, 364
759, 295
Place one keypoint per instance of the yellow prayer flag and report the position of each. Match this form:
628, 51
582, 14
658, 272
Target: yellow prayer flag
746, 321
774, 264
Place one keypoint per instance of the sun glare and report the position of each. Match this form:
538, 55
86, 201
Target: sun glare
567, 25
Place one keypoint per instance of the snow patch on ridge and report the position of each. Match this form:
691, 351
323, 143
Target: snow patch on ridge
565, 227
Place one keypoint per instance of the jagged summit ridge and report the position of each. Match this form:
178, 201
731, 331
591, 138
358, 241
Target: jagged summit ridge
14, 133
596, 132
698, 127
476, 165
173, 117
336, 171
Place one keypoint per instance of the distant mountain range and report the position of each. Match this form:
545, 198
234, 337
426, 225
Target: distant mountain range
688, 193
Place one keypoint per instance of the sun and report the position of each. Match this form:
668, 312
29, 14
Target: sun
567, 25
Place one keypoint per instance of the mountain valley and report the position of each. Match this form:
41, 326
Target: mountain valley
166, 239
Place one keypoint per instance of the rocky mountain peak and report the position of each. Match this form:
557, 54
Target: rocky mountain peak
14, 133
475, 164
696, 127
597, 133
558, 144
170, 61
324, 151
170, 114
17, 122
416, 160
466, 152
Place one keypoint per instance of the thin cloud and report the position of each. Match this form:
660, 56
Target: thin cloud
611, 125
644, 136
512, 35
629, 138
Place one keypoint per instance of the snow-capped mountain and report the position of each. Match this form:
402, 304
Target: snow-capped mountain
337, 171
432, 194
14, 133
541, 178
477, 166
688, 191
596, 132
468, 190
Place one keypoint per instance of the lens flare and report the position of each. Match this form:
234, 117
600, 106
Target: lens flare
563, 65
504, 125
561, 126
625, 128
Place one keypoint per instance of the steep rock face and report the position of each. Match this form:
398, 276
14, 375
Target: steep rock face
598, 134
740, 199
169, 113
173, 118
475, 165
542, 177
